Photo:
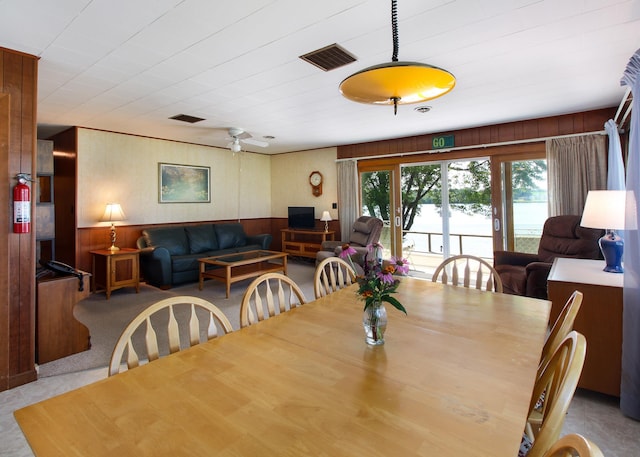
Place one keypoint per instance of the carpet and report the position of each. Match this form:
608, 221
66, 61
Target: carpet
106, 319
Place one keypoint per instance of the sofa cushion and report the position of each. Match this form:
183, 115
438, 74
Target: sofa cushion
230, 235
174, 239
202, 238
185, 263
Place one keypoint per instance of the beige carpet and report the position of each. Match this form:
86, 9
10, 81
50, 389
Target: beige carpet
106, 319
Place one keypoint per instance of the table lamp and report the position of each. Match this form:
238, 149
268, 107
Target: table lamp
326, 217
605, 209
113, 213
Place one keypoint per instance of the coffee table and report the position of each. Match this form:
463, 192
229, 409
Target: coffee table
241, 265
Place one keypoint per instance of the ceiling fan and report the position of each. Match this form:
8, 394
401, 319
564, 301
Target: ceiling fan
238, 135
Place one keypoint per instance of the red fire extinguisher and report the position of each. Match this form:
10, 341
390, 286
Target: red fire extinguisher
21, 205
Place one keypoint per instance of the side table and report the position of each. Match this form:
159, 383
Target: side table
599, 318
115, 269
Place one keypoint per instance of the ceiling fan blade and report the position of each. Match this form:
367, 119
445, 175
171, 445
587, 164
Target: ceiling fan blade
235, 132
253, 141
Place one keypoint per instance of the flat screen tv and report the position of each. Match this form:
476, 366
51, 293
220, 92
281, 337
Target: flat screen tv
302, 217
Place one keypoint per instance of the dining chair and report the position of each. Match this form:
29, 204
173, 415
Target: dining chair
574, 445
273, 290
156, 313
558, 381
448, 272
560, 329
332, 274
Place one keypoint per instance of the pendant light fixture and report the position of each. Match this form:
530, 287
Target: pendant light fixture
397, 83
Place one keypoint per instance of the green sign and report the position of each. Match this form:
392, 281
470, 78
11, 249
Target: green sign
442, 141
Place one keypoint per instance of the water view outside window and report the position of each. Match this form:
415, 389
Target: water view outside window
446, 208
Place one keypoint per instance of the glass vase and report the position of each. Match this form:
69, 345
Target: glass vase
374, 322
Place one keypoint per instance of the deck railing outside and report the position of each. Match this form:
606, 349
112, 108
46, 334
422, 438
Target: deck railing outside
424, 249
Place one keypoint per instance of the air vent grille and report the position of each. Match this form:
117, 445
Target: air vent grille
186, 118
329, 58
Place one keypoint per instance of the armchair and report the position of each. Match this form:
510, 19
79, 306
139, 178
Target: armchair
562, 236
366, 230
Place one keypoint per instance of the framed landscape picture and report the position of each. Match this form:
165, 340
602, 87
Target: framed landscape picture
183, 183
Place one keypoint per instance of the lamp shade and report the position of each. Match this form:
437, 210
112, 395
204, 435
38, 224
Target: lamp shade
112, 213
325, 216
397, 83
605, 209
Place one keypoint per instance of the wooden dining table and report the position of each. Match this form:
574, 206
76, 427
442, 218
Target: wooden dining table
454, 378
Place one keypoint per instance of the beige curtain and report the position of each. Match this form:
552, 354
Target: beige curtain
575, 165
348, 207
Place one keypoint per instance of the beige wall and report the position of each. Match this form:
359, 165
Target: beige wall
121, 168
290, 181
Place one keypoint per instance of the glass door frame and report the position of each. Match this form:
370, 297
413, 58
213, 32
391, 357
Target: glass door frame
497, 156
502, 195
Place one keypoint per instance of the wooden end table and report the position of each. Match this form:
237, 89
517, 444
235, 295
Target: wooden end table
115, 269
241, 265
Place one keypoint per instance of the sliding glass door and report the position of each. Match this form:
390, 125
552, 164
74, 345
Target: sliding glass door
434, 210
520, 203
446, 211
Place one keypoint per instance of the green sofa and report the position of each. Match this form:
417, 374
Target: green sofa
169, 255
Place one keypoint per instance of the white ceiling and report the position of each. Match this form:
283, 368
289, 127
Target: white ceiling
128, 65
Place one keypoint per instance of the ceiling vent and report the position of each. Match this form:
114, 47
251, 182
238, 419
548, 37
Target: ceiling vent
186, 118
329, 58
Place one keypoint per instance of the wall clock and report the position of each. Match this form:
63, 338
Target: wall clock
315, 179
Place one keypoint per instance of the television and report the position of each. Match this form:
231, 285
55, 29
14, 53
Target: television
302, 217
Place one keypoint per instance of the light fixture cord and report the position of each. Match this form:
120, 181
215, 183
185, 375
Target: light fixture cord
394, 29
394, 35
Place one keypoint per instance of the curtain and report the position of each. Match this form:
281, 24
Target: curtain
615, 172
630, 383
347, 196
575, 165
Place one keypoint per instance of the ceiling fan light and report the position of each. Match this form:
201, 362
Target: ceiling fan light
397, 83
235, 146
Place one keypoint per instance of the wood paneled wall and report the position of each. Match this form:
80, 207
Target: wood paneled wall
18, 96
588, 121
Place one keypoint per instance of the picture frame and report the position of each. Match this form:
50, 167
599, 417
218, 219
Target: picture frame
183, 183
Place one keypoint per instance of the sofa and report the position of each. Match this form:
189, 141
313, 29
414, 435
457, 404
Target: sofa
562, 236
169, 255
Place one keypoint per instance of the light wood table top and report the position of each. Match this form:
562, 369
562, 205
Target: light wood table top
453, 378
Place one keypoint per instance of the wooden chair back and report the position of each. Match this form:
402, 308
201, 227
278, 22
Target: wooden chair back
574, 445
125, 342
561, 327
332, 274
558, 382
274, 291
461, 269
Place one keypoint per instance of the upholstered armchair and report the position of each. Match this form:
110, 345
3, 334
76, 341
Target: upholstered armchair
365, 230
562, 236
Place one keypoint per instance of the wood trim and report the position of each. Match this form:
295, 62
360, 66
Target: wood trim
512, 131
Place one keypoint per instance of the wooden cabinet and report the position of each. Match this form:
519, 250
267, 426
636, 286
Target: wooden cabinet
59, 334
304, 243
599, 318
115, 269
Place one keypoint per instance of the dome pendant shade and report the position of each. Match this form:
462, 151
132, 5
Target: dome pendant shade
397, 83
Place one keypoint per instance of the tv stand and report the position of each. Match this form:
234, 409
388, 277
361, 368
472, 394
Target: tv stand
304, 242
